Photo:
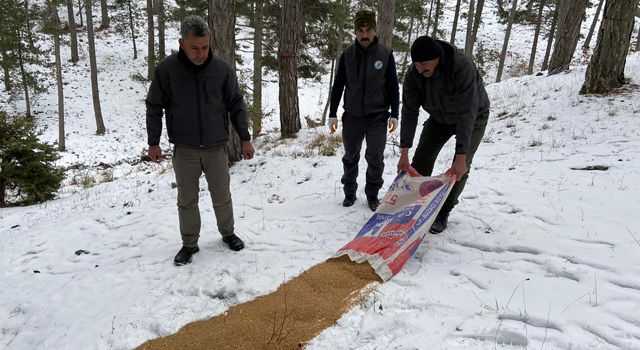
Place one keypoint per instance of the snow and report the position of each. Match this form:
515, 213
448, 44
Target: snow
537, 254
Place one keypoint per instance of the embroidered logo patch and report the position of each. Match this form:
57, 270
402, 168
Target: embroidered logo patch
378, 64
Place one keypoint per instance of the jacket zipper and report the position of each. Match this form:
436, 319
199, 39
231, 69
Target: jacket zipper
199, 110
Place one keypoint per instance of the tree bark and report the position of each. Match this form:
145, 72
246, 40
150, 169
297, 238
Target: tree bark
105, 15
25, 87
569, 21
505, 45
6, 73
287, 69
552, 32
605, 71
222, 21
100, 129
386, 20
80, 7
151, 53
55, 21
159, 8
436, 21
468, 45
454, 28
257, 69
638, 40
132, 28
73, 33
476, 23
536, 36
587, 41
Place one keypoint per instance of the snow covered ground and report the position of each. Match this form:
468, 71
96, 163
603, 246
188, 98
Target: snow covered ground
537, 254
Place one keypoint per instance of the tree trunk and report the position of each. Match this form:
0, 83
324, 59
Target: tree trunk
159, 9
28, 25
328, 102
73, 33
587, 41
25, 86
257, 69
151, 53
429, 17
339, 42
606, 69
468, 45
386, 20
287, 68
133, 34
534, 47
455, 24
638, 40
105, 15
100, 129
80, 7
569, 21
436, 21
552, 32
56, 46
222, 21
476, 23
5, 71
505, 45
405, 58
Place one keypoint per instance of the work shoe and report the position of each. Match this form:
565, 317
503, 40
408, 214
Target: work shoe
184, 255
373, 202
348, 201
440, 223
234, 242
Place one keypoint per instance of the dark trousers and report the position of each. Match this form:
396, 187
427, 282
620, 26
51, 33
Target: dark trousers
434, 136
355, 129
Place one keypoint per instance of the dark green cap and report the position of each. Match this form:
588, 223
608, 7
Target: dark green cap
365, 18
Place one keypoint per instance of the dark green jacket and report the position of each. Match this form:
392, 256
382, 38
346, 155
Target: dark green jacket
369, 80
453, 95
197, 100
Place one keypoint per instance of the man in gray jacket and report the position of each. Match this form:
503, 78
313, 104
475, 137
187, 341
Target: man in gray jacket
199, 93
447, 84
367, 75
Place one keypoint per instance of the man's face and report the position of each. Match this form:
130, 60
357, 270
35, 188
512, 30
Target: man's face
365, 36
427, 68
195, 47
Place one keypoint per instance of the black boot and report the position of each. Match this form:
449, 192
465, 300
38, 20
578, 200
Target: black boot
348, 200
234, 242
373, 202
440, 223
184, 255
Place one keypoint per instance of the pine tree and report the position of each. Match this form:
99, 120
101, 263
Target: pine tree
288, 78
27, 171
570, 15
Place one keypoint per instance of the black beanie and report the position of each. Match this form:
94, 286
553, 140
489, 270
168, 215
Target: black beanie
365, 18
425, 48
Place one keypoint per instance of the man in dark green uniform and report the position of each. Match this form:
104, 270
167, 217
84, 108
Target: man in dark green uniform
367, 75
447, 84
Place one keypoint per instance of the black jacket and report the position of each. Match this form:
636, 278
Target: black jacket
198, 101
453, 95
369, 80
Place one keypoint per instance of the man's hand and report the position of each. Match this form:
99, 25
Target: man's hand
155, 153
459, 166
392, 124
247, 150
333, 125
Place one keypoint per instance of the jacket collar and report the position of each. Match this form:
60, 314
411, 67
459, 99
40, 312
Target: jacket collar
182, 57
369, 48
